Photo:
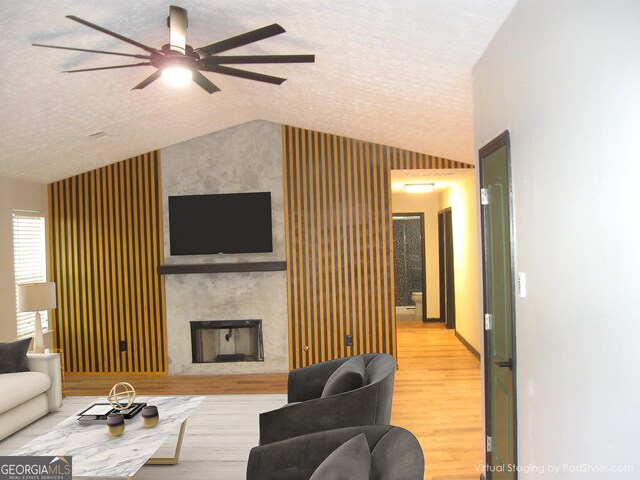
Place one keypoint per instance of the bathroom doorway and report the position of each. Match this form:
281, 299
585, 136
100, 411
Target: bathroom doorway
409, 266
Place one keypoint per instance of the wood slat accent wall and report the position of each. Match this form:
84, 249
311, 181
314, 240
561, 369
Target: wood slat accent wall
339, 247
105, 232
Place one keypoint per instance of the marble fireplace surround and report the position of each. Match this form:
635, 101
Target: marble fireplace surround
245, 158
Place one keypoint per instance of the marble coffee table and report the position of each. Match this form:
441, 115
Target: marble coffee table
96, 454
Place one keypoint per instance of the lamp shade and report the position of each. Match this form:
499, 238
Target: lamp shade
35, 297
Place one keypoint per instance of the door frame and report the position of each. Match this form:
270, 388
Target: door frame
446, 264
501, 140
424, 258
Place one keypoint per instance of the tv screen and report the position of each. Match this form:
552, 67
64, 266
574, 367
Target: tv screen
222, 223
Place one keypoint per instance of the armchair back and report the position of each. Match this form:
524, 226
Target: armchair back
308, 412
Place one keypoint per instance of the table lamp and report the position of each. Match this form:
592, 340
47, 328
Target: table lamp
35, 297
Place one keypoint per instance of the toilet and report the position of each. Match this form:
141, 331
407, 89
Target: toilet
416, 297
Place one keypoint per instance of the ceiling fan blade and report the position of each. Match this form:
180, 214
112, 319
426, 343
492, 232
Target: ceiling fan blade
240, 40
91, 51
113, 34
245, 59
177, 29
204, 82
143, 64
234, 72
150, 79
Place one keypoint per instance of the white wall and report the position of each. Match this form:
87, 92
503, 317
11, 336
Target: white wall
461, 197
14, 195
245, 158
564, 78
426, 203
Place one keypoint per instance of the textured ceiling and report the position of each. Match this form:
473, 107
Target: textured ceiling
396, 72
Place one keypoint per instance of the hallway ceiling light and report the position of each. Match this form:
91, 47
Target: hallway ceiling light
419, 187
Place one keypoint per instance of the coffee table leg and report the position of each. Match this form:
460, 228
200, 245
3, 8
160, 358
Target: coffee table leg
170, 460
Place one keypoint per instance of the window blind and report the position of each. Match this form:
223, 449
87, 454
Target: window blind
30, 263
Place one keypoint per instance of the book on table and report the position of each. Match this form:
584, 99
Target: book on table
97, 413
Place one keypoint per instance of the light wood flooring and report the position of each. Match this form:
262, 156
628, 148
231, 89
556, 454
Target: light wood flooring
437, 397
180, 384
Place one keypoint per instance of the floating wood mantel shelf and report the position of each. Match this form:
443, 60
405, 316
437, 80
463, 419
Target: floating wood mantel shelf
183, 268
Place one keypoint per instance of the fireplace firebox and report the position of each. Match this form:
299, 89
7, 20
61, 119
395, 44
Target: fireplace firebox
217, 341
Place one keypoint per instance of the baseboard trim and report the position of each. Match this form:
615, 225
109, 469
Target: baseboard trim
468, 345
432, 319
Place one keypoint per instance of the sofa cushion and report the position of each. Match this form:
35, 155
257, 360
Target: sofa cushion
347, 377
379, 368
397, 455
350, 461
13, 356
19, 387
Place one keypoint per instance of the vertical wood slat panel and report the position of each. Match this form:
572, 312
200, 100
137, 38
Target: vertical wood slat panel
287, 230
105, 233
339, 249
85, 258
75, 342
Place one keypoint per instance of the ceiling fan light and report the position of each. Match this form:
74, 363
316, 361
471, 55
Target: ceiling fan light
177, 76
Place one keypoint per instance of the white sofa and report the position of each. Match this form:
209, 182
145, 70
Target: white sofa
27, 396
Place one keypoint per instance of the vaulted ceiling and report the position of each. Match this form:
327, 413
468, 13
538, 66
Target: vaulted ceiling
396, 72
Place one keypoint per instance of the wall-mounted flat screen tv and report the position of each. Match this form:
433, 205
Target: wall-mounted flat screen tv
221, 223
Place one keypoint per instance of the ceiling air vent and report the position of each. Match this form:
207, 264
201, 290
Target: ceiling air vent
99, 135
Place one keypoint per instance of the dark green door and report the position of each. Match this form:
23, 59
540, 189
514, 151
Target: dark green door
499, 361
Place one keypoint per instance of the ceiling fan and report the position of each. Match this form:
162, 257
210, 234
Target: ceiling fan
179, 63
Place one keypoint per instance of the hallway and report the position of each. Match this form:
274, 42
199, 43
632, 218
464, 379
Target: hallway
438, 397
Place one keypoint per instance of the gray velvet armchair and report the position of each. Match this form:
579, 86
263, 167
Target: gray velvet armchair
395, 454
308, 411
